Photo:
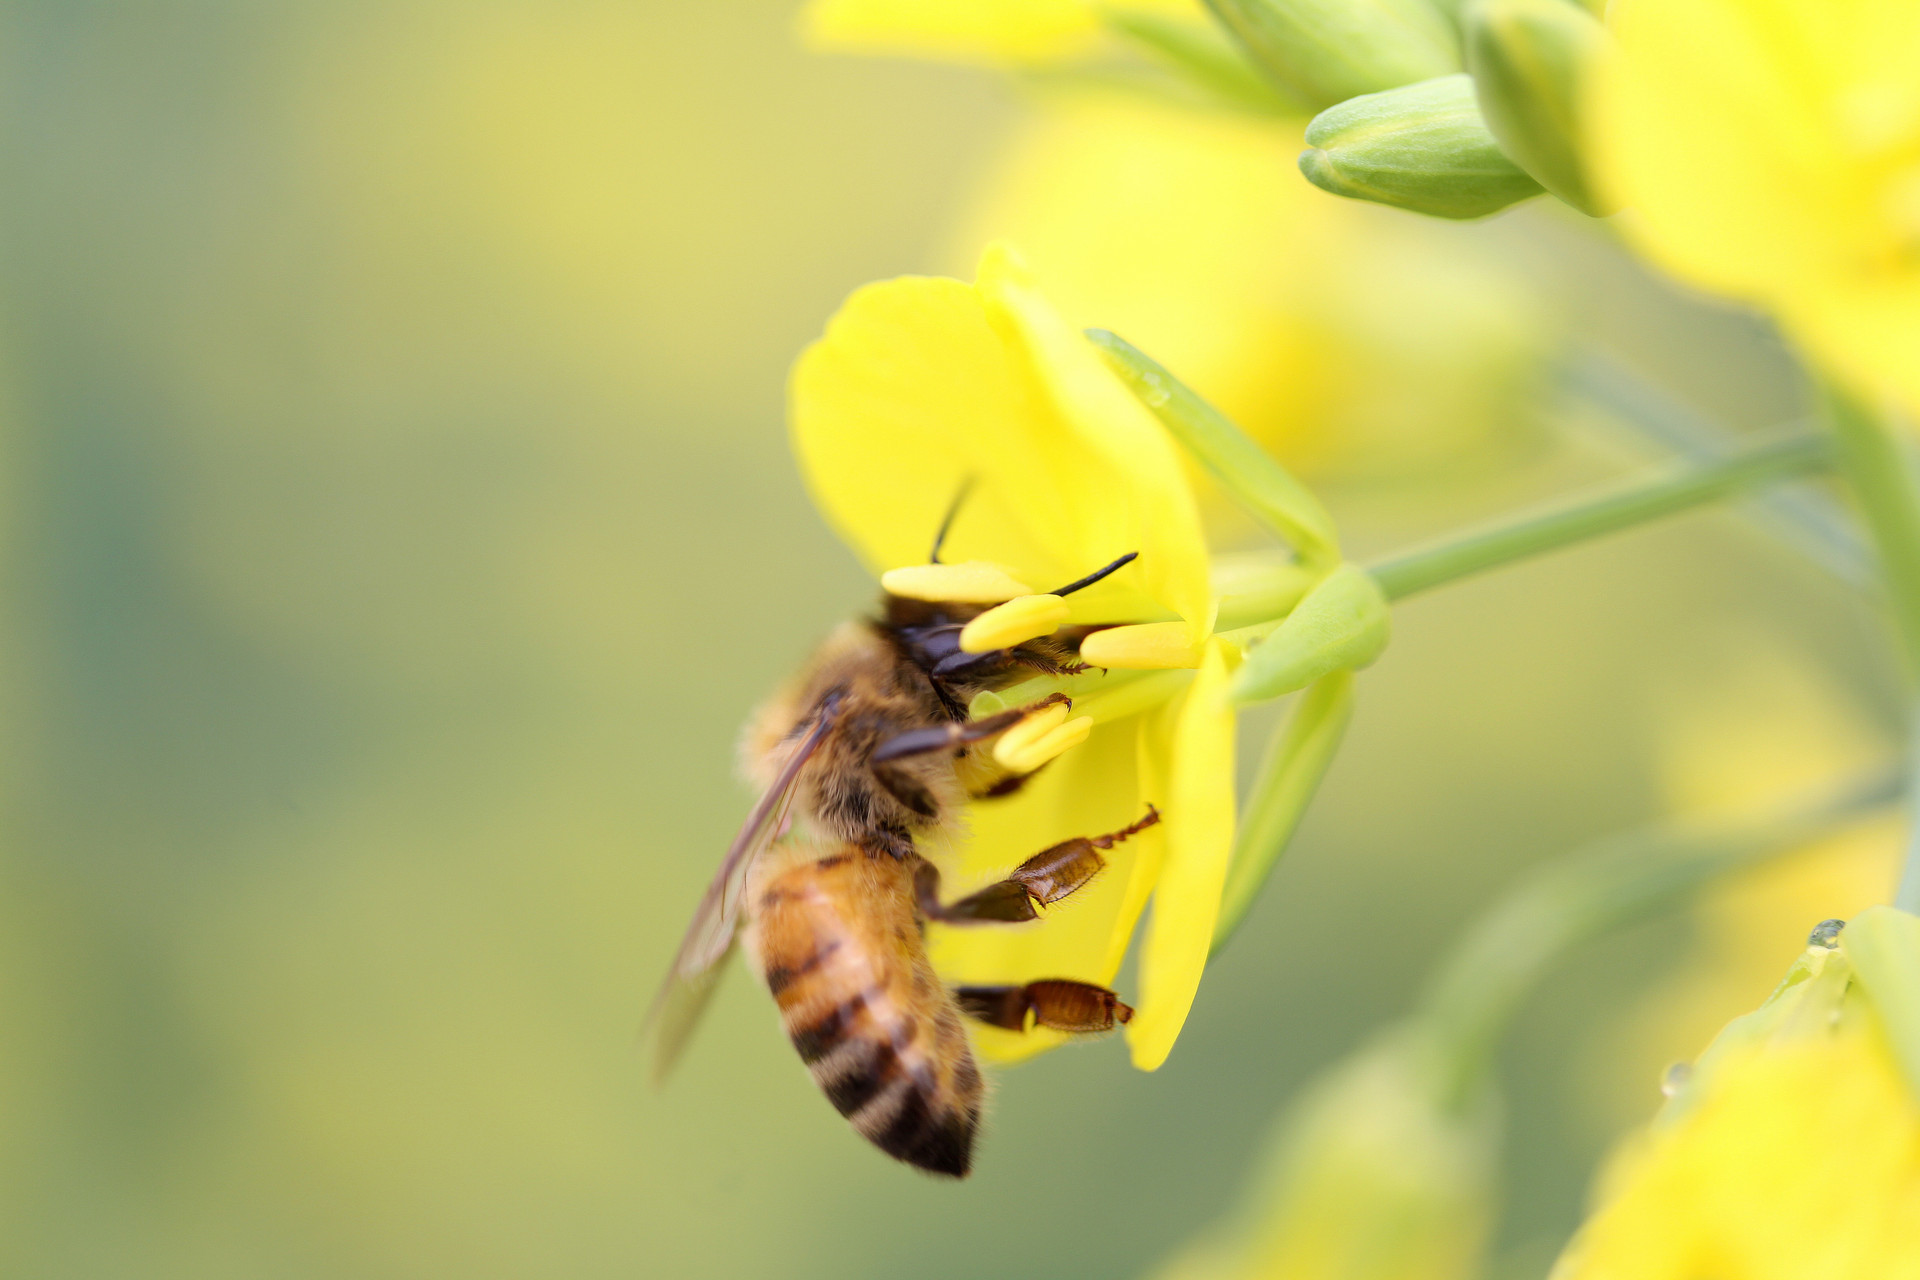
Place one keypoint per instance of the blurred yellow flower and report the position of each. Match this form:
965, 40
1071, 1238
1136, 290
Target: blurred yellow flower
1367, 1178
1793, 1151
1345, 338
923, 385
1771, 152
988, 31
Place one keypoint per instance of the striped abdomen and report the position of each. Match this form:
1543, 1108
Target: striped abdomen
837, 939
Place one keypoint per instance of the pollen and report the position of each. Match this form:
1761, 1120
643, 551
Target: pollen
1150, 646
1006, 625
1039, 738
970, 582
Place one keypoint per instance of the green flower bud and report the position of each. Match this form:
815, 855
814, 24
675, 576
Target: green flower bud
1325, 51
1341, 625
1883, 944
1423, 147
1530, 61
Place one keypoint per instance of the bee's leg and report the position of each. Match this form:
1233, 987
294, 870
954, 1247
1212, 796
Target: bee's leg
956, 734
1060, 1004
1045, 878
1006, 785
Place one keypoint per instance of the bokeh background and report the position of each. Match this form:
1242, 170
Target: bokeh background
399, 525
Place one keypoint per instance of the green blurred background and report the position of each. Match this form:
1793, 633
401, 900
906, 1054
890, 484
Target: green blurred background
400, 526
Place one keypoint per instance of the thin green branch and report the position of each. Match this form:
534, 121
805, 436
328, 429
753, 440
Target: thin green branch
1589, 518
1814, 524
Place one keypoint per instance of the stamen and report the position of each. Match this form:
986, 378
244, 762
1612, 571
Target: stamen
1149, 646
969, 582
1039, 738
1009, 624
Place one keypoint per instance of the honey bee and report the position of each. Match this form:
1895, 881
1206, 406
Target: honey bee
867, 753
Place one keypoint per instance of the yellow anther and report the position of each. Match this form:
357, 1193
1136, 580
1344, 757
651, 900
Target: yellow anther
1150, 646
970, 582
1039, 738
1006, 625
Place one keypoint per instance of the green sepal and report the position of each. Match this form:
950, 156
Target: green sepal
1249, 474
1342, 625
1325, 51
1423, 147
1531, 60
1303, 747
1883, 945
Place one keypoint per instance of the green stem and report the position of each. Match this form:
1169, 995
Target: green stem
1614, 883
1875, 464
1877, 468
1550, 530
1906, 895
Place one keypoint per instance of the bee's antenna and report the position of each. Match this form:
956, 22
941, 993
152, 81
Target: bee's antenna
1098, 574
946, 521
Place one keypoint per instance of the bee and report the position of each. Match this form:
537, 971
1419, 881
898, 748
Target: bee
869, 752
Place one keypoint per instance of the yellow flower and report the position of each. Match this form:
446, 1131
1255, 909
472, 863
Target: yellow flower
1771, 152
978, 31
923, 385
1794, 1149
1343, 337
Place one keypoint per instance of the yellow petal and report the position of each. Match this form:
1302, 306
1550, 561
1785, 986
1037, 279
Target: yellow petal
1016, 621
1391, 344
1151, 646
1798, 1159
1143, 502
1772, 152
922, 386
973, 582
1199, 833
1090, 790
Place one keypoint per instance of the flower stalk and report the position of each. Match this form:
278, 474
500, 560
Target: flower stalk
1512, 541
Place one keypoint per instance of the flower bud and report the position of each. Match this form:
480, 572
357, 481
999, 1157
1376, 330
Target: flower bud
1530, 61
1423, 147
1342, 625
1325, 51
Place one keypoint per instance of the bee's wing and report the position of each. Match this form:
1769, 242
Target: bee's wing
709, 939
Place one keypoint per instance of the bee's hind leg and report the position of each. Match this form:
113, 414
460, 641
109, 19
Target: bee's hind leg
1059, 1004
1045, 878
